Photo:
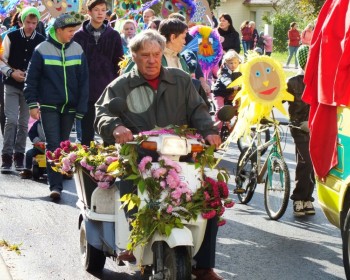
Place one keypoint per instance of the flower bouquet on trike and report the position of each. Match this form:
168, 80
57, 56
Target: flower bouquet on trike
174, 199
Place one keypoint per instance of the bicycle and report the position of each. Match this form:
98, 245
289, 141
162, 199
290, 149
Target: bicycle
250, 170
225, 115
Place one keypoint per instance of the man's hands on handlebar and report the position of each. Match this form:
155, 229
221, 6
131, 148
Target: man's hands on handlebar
122, 134
213, 139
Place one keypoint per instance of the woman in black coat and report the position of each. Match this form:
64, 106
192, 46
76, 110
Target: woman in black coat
230, 36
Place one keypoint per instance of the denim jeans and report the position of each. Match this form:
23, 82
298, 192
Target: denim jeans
292, 51
16, 125
246, 46
57, 128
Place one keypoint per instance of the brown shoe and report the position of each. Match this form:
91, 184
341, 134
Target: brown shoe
127, 256
26, 174
206, 274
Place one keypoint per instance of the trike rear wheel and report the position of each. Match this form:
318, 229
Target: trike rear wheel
92, 258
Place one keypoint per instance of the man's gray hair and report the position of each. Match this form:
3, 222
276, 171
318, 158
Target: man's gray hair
143, 37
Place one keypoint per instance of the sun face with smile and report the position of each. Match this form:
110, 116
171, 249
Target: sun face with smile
264, 86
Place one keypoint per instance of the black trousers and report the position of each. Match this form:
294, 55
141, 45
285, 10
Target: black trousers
304, 173
2, 109
87, 125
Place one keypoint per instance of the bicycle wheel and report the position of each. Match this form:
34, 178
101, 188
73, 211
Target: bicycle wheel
277, 187
246, 177
244, 142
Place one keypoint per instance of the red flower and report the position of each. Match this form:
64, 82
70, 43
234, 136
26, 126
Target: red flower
229, 203
221, 211
223, 189
221, 222
209, 215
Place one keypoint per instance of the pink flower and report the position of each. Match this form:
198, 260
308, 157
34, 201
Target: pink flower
221, 222
209, 215
229, 203
102, 167
83, 162
65, 144
169, 210
109, 160
173, 179
168, 162
162, 184
221, 211
103, 185
215, 203
98, 175
58, 153
89, 167
223, 189
206, 196
215, 189
144, 163
157, 173
176, 194
72, 157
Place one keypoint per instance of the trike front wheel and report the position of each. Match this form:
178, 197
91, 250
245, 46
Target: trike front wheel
277, 188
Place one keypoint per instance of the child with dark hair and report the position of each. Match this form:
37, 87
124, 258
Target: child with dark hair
103, 48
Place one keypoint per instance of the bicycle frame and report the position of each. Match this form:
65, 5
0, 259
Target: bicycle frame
276, 149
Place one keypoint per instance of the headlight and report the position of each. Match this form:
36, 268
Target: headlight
174, 146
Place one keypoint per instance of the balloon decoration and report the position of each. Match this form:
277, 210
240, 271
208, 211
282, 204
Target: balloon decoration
202, 13
187, 8
128, 9
207, 44
264, 86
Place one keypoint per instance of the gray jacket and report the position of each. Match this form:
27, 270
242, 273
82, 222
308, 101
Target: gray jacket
176, 102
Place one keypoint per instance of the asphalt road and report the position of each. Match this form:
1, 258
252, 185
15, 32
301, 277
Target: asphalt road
249, 246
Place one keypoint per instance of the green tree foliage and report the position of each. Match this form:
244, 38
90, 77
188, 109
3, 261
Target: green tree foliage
213, 4
281, 24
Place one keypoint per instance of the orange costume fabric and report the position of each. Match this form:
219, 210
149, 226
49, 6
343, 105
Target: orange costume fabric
327, 82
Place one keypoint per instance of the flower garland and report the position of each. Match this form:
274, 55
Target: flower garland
102, 163
170, 199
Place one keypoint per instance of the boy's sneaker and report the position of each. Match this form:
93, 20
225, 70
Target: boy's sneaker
6, 164
298, 208
18, 158
309, 208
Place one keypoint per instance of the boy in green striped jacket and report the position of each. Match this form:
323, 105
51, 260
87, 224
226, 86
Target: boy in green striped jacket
56, 87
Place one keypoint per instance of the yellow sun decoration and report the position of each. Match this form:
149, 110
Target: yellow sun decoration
263, 86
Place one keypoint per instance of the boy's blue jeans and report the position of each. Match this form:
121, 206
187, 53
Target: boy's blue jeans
57, 128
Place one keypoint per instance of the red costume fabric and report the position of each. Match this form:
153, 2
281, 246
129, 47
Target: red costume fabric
327, 85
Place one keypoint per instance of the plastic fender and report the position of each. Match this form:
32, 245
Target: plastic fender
177, 237
100, 235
